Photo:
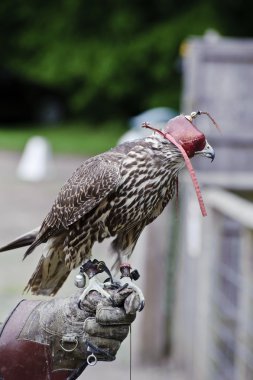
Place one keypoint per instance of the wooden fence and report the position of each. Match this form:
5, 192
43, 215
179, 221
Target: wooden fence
213, 321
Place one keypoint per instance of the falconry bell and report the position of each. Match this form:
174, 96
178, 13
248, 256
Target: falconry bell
80, 280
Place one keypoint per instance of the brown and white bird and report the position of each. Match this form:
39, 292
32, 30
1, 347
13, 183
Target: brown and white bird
114, 194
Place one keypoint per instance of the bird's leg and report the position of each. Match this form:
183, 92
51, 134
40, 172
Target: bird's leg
126, 282
91, 269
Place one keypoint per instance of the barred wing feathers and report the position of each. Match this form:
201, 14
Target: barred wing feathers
86, 188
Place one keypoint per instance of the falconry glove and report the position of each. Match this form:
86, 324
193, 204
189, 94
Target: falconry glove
56, 340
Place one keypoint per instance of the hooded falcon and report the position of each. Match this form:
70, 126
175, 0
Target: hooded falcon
114, 194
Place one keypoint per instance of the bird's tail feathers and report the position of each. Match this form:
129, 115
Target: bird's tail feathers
22, 241
34, 244
50, 273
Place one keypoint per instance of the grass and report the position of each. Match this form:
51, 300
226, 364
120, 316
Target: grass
73, 138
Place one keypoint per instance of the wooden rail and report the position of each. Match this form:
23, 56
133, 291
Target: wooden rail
230, 205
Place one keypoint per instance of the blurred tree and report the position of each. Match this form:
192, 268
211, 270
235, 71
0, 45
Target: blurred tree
235, 17
112, 58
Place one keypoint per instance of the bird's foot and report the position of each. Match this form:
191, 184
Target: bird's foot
91, 269
94, 284
126, 281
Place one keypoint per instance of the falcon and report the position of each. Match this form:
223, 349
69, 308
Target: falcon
114, 194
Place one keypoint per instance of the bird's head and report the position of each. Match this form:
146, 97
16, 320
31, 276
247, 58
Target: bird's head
186, 134
190, 141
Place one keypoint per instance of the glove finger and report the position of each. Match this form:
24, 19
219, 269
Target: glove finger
110, 346
93, 328
119, 296
92, 300
132, 304
108, 315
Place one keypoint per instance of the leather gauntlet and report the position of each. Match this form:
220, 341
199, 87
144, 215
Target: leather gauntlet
55, 340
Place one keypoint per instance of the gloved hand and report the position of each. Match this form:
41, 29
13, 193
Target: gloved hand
58, 335
109, 325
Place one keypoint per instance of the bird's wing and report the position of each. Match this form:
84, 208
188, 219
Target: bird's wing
86, 188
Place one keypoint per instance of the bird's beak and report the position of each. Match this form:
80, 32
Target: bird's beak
208, 152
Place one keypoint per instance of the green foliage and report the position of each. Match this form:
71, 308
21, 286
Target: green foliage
78, 138
235, 17
112, 58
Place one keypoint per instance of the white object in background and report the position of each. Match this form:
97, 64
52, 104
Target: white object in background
35, 162
157, 117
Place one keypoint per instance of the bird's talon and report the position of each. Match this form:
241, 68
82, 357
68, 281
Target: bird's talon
122, 287
127, 283
95, 285
141, 307
113, 303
